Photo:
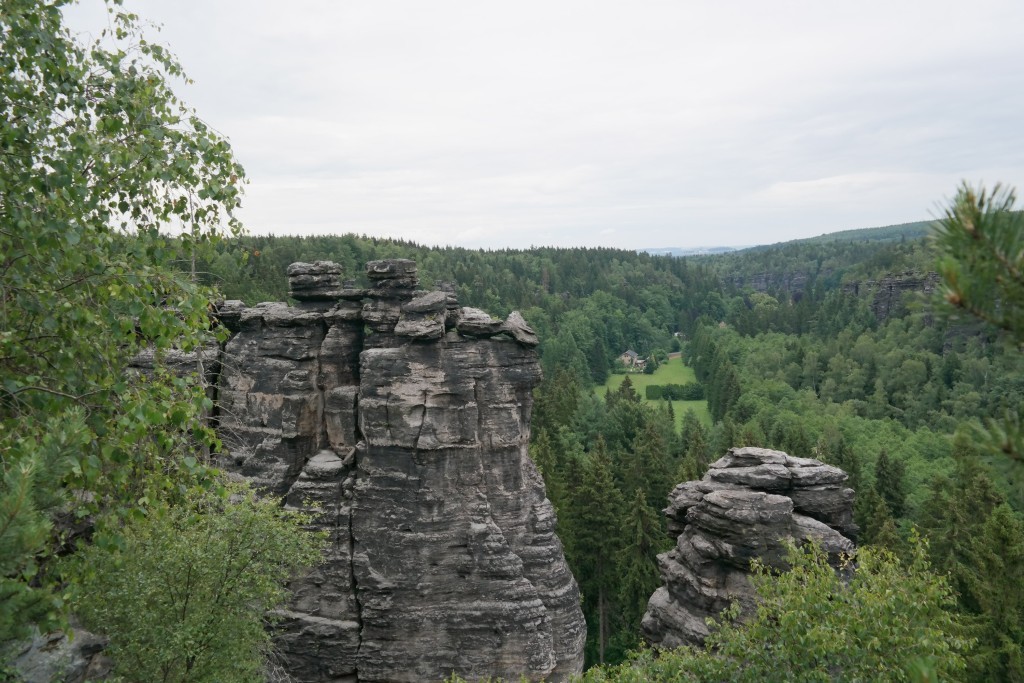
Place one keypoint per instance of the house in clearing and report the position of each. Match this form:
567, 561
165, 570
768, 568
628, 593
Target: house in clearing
631, 359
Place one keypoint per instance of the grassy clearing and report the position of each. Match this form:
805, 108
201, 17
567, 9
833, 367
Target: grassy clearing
672, 372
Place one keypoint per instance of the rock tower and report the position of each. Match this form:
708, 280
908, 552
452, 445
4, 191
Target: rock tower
400, 421
750, 502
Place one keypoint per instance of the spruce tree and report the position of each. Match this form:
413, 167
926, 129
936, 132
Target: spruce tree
997, 584
544, 456
645, 537
875, 519
890, 483
648, 469
691, 429
596, 529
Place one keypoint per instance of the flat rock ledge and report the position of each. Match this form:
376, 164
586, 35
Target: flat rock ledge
749, 504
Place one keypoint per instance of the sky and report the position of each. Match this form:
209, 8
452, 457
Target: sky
641, 124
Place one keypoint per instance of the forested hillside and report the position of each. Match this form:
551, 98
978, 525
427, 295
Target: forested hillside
791, 352
893, 353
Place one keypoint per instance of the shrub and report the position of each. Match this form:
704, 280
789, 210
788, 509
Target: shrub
891, 622
183, 592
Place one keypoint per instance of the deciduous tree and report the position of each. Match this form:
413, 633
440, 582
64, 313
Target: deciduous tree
97, 155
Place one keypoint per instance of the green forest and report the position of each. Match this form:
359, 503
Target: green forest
919, 400
921, 406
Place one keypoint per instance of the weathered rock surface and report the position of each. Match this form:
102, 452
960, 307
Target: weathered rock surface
887, 293
320, 281
477, 323
408, 443
748, 505
768, 282
56, 657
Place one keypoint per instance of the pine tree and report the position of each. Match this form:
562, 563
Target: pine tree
845, 459
751, 435
977, 541
557, 400
981, 238
953, 515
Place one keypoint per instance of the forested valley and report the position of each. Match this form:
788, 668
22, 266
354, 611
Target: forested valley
893, 353
840, 348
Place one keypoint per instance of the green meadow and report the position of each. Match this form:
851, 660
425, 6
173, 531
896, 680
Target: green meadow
672, 372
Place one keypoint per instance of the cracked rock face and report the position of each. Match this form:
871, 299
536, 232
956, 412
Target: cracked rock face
408, 444
748, 505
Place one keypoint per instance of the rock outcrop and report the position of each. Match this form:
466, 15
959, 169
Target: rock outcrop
793, 283
400, 423
748, 505
73, 657
887, 293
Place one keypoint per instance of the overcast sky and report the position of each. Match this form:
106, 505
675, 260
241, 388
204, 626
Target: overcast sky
629, 124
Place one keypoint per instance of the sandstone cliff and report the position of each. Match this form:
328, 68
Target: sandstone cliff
794, 283
750, 502
400, 422
887, 293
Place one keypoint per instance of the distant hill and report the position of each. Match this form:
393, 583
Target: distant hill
689, 251
888, 233
827, 262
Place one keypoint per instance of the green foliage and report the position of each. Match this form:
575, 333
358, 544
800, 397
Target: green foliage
890, 484
673, 373
995, 586
183, 590
97, 155
978, 541
595, 535
645, 537
890, 619
981, 241
647, 467
24, 530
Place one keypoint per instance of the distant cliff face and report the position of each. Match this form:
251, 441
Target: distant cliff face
792, 283
887, 292
750, 502
400, 422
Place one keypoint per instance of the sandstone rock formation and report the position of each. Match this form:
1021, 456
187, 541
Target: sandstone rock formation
400, 423
750, 502
793, 283
887, 293
73, 657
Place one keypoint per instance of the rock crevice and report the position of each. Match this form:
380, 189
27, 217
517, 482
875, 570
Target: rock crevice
400, 423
